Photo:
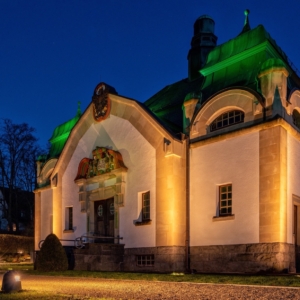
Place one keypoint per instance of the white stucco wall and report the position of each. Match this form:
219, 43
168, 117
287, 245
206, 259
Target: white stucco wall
293, 181
234, 161
46, 213
140, 159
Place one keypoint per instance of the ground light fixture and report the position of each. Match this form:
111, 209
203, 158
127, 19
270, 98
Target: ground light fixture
11, 282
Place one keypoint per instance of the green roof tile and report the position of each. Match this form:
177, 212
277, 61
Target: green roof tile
60, 136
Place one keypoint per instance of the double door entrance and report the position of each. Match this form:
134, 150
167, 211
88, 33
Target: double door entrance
104, 213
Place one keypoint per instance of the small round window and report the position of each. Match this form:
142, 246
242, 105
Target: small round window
100, 211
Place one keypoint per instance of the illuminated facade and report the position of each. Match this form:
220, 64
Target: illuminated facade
203, 175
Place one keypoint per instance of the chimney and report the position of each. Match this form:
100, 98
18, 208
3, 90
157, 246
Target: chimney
202, 43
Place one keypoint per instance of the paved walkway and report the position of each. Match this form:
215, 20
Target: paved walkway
84, 288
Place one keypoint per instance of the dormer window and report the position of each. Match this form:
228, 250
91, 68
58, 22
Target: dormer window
227, 119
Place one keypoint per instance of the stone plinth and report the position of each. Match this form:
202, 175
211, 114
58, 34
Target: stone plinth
166, 259
244, 258
99, 257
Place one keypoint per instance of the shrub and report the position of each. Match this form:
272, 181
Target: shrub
52, 256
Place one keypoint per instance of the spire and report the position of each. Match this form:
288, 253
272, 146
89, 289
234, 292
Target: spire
246, 23
78, 109
277, 104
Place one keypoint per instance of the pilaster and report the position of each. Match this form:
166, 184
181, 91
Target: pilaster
37, 220
272, 185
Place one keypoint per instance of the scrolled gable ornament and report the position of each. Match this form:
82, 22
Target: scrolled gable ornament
101, 101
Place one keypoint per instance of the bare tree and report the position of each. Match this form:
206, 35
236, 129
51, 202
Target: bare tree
18, 152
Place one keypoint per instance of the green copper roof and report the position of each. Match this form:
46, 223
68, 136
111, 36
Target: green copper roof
61, 134
167, 103
239, 61
244, 44
234, 63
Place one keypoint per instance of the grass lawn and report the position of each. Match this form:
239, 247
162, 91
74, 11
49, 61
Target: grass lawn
270, 280
267, 280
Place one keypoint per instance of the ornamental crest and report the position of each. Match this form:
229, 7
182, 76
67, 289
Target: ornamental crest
104, 161
101, 101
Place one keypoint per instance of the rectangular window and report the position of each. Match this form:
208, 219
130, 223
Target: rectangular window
69, 218
145, 260
146, 206
225, 199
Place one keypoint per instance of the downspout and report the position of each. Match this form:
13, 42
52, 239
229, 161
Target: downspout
187, 235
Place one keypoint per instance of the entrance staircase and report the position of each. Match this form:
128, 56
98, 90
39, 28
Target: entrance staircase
99, 257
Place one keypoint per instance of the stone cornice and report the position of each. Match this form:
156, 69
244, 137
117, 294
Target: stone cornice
242, 131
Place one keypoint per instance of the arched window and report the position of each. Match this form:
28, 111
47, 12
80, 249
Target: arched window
296, 118
227, 119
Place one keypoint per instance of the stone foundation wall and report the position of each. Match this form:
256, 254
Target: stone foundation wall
99, 257
298, 259
248, 258
166, 259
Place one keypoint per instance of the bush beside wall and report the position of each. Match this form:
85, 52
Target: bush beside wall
52, 256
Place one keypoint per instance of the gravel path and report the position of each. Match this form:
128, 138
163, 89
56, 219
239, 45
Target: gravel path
83, 288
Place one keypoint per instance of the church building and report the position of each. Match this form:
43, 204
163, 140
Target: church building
203, 176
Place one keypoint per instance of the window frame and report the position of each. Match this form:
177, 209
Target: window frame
146, 206
225, 196
144, 216
145, 260
69, 219
224, 119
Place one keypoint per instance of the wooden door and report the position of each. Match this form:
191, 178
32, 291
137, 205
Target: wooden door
104, 218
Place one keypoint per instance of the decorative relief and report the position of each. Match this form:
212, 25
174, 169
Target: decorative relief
101, 101
101, 177
104, 161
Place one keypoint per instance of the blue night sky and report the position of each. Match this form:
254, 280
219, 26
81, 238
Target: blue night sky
54, 52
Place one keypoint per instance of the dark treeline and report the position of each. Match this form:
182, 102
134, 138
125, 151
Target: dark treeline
18, 152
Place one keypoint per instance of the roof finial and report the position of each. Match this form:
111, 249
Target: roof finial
246, 12
246, 23
78, 108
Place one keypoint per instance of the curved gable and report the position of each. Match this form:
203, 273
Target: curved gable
294, 100
229, 100
129, 110
44, 177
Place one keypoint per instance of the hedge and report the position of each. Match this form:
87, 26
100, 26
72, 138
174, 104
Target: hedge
15, 247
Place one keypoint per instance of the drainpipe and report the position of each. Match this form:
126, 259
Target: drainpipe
187, 235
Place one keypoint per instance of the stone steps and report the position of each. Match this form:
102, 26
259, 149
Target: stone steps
99, 257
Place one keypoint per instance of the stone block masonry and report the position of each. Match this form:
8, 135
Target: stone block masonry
99, 257
244, 258
166, 259
113, 257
